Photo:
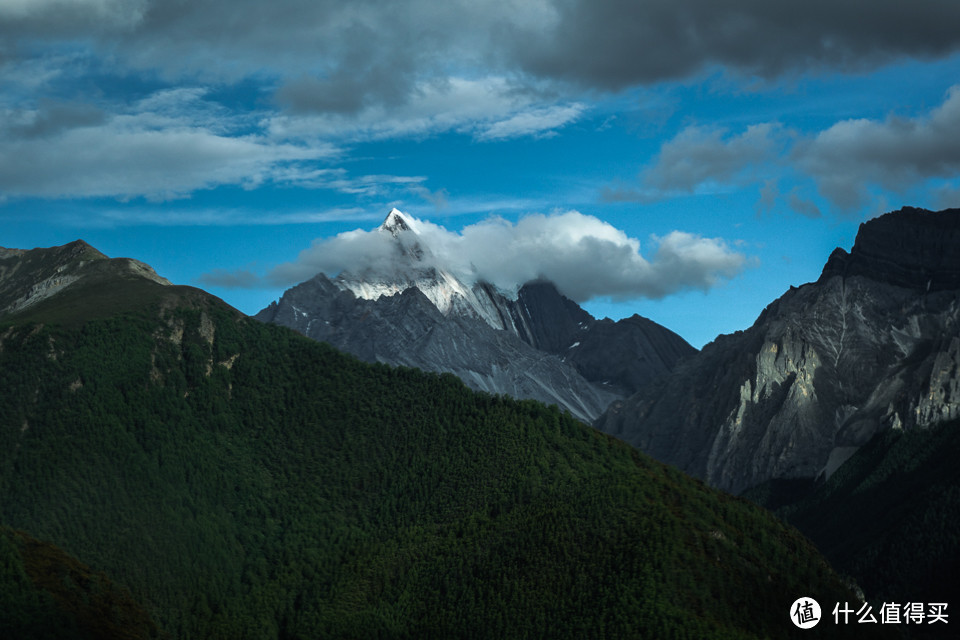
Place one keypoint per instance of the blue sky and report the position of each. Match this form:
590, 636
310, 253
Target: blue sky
686, 160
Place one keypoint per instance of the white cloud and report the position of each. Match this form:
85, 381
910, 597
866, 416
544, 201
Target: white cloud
166, 146
490, 108
532, 122
124, 159
584, 256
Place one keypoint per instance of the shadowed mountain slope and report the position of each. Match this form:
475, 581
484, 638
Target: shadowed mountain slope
246, 482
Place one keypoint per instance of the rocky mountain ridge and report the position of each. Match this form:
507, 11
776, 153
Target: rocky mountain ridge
536, 344
873, 344
28, 278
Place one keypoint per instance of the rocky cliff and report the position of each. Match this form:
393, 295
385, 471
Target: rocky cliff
872, 344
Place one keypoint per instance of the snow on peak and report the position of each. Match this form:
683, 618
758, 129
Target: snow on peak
397, 221
411, 263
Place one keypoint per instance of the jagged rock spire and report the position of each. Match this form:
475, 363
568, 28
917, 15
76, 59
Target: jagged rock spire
397, 221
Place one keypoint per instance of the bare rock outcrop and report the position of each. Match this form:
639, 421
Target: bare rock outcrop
873, 344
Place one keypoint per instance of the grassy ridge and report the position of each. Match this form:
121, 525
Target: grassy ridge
245, 482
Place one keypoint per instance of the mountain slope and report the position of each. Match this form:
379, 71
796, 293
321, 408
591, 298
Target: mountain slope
409, 310
44, 593
873, 344
408, 329
247, 483
84, 282
622, 355
889, 516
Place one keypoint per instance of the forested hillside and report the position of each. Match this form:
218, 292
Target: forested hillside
890, 516
44, 593
245, 482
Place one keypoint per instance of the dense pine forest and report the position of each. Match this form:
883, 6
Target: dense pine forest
239, 481
889, 516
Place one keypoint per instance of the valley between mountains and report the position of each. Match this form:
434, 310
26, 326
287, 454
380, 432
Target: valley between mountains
408, 451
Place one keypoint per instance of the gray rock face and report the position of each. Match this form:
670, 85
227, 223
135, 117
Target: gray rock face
540, 345
873, 344
407, 329
622, 355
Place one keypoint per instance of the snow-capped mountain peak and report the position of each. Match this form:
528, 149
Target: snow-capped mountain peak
416, 266
397, 221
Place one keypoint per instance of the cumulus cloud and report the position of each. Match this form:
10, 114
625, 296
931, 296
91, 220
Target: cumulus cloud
703, 159
325, 72
700, 156
620, 43
584, 256
846, 163
350, 60
895, 153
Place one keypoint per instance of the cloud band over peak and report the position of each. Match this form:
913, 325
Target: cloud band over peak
584, 256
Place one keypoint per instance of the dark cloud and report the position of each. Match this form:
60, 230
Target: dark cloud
494, 69
700, 155
52, 117
339, 56
28, 19
801, 205
845, 161
896, 153
619, 43
770, 197
704, 158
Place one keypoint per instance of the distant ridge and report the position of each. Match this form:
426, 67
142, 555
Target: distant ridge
75, 282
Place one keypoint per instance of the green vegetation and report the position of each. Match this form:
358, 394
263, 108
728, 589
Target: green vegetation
890, 516
245, 482
44, 593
